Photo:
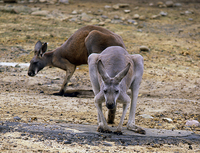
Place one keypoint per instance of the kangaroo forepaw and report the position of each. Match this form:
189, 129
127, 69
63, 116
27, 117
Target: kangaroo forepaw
73, 94
118, 132
58, 93
102, 130
136, 129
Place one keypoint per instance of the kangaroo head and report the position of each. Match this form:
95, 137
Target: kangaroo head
37, 63
111, 86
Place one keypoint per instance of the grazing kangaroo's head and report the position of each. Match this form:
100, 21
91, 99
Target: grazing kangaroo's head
111, 86
37, 63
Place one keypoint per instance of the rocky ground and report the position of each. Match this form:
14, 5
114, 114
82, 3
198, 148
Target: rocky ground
169, 93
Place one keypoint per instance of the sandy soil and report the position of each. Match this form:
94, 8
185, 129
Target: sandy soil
170, 87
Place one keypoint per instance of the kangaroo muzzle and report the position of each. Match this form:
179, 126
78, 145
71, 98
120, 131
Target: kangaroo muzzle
110, 105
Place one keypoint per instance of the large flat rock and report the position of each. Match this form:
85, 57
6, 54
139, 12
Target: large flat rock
87, 134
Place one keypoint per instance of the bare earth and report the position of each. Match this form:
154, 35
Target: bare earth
170, 86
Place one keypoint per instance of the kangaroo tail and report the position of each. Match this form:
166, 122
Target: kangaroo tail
111, 115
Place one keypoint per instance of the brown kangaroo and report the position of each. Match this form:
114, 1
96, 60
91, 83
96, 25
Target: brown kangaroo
75, 51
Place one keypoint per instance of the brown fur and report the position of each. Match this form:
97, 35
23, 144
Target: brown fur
87, 40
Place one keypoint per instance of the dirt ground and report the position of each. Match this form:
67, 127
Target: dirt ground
170, 87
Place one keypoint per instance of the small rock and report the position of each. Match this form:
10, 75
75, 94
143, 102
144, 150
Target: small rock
40, 13
64, 1
116, 17
107, 20
17, 118
98, 12
142, 17
42, 1
180, 30
177, 5
144, 48
146, 116
190, 19
106, 144
169, 3
169, 120
67, 142
75, 19
136, 16
94, 21
115, 7
116, 21
155, 16
151, 4
188, 12
85, 17
198, 55
130, 21
107, 7
163, 13
160, 3
192, 123
104, 17
127, 11
101, 23
122, 5
74, 12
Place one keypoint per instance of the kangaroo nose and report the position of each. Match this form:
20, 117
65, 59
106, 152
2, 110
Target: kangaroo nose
110, 106
30, 73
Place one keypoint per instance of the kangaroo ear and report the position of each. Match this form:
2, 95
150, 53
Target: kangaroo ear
102, 71
44, 48
122, 74
40, 49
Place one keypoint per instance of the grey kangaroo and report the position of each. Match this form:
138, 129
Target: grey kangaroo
112, 73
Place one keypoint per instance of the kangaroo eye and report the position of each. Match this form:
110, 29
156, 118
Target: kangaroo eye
35, 63
105, 91
116, 91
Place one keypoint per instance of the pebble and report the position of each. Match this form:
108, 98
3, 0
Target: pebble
74, 12
160, 3
169, 3
116, 21
17, 118
106, 144
163, 13
42, 1
107, 7
64, 1
169, 120
177, 5
67, 142
192, 123
101, 23
155, 16
122, 5
40, 13
130, 21
144, 48
115, 7
107, 20
146, 116
127, 11
85, 17
136, 16
142, 17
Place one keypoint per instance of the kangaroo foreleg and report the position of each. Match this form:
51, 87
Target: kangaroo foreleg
70, 68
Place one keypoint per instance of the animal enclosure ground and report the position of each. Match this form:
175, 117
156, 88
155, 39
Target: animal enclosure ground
170, 87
